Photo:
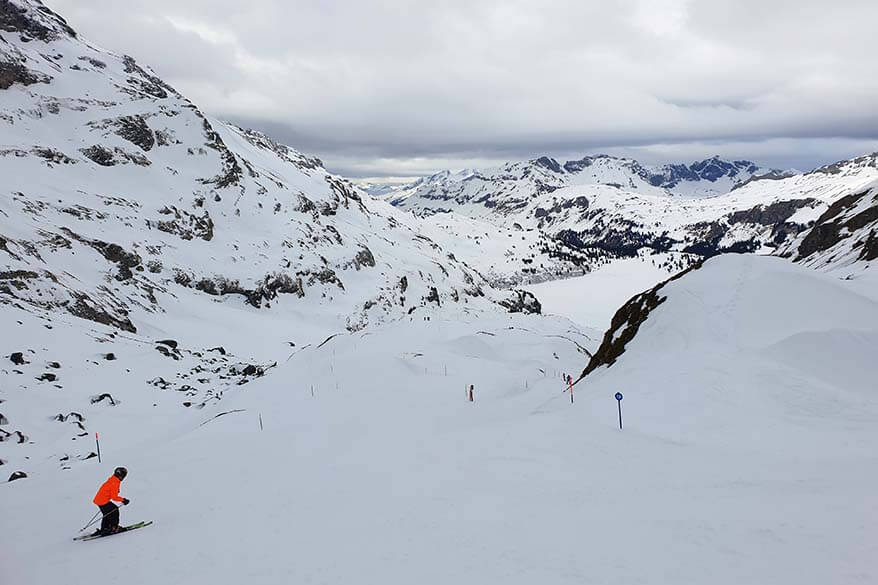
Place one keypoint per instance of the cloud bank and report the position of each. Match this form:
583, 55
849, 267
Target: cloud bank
405, 87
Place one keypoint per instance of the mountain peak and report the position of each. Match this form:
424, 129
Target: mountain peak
32, 20
549, 163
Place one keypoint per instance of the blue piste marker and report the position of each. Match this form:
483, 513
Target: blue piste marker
619, 402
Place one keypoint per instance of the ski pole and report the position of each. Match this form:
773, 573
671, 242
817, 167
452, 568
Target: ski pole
95, 519
90, 522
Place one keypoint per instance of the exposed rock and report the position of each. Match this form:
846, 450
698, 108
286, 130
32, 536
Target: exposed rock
774, 213
100, 155
19, 437
185, 224
48, 377
86, 308
54, 365
364, 258
231, 172
147, 83
160, 382
134, 129
432, 296
12, 73
169, 342
171, 353
17, 475
108, 158
17, 358
837, 223
870, 248
110, 356
94, 62
74, 415
522, 301
549, 163
101, 397
52, 156
19, 19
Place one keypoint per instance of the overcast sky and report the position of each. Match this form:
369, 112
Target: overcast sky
407, 88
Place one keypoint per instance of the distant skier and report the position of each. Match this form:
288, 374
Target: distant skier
110, 491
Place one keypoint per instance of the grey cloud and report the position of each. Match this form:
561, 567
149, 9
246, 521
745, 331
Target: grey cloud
375, 87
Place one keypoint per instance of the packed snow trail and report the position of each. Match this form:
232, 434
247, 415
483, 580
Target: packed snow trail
751, 472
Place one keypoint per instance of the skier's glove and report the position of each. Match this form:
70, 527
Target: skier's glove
125, 501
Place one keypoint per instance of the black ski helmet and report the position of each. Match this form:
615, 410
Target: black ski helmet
120, 472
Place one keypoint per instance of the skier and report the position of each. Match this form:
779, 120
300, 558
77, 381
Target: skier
110, 491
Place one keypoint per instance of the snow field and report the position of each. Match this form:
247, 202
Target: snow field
742, 462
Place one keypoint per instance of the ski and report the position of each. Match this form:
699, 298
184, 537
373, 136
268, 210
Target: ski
95, 535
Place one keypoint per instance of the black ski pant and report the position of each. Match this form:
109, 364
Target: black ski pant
111, 517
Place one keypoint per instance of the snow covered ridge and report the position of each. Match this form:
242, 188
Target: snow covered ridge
748, 333
846, 233
582, 214
118, 193
713, 176
627, 321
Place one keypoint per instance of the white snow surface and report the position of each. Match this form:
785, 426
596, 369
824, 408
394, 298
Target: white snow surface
747, 454
592, 300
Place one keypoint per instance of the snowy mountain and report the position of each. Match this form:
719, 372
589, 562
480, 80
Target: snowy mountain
105, 162
128, 216
506, 187
845, 234
586, 213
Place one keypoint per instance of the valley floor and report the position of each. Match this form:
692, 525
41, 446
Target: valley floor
592, 299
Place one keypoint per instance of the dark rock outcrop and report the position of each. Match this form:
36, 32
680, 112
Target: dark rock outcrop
19, 19
432, 296
839, 222
101, 397
135, 130
86, 308
522, 301
184, 224
12, 72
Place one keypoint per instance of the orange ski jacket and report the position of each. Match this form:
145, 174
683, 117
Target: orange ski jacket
109, 491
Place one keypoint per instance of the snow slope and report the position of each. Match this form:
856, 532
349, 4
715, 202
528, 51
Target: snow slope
744, 345
747, 455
